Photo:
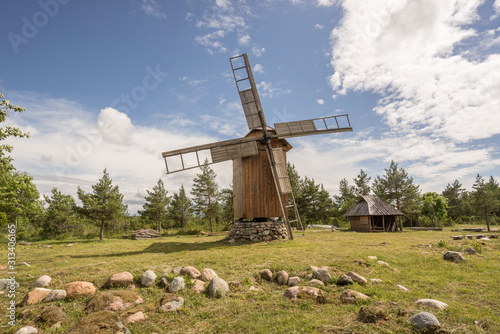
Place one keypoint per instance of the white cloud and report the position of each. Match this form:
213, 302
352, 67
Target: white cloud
258, 51
151, 7
496, 8
70, 147
244, 40
258, 68
320, 101
432, 98
318, 26
326, 3
224, 4
267, 89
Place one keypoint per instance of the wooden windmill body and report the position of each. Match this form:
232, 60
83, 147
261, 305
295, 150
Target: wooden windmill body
261, 185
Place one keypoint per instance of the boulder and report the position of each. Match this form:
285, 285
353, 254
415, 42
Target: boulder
218, 288
302, 292
293, 281
344, 280
266, 274
282, 277
27, 330
148, 278
433, 303
470, 251
190, 271
177, 271
137, 316
5, 284
357, 278
351, 296
113, 301
198, 286
51, 315
170, 302
119, 280
78, 289
34, 296
454, 256
177, 284
316, 282
322, 274
163, 282
382, 263
207, 275
42, 282
102, 322
55, 295
425, 322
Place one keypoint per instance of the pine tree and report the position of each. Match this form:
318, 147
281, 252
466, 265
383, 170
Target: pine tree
180, 210
60, 215
347, 197
205, 192
362, 182
454, 195
104, 204
485, 197
397, 188
156, 204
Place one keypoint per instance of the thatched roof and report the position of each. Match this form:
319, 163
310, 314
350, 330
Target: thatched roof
372, 206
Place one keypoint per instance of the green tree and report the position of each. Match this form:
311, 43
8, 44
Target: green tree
181, 210
434, 206
226, 198
60, 219
485, 197
347, 196
397, 188
104, 204
156, 204
362, 182
456, 198
205, 193
8, 131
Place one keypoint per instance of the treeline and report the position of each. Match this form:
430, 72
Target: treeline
102, 212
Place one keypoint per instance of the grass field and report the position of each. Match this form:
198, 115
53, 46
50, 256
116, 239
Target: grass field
416, 262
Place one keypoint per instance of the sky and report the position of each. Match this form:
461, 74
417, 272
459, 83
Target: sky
113, 84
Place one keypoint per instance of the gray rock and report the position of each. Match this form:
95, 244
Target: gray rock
218, 288
344, 280
55, 295
292, 281
171, 302
322, 274
27, 330
266, 274
177, 284
5, 284
190, 271
302, 292
470, 251
163, 282
454, 256
356, 277
42, 282
316, 282
433, 303
148, 278
177, 271
282, 277
425, 322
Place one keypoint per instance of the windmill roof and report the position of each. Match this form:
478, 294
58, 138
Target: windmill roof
372, 206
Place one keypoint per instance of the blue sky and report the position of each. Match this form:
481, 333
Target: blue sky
113, 84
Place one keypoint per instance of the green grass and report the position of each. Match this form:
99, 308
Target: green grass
470, 289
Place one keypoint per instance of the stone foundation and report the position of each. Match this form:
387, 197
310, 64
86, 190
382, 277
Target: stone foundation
258, 231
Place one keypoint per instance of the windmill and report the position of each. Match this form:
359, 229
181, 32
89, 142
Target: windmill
261, 185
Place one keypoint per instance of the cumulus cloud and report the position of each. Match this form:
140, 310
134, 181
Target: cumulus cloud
151, 7
326, 3
320, 101
318, 26
258, 68
268, 89
430, 93
70, 147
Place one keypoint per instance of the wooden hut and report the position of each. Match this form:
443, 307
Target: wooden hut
372, 214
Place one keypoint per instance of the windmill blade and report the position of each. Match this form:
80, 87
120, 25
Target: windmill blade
247, 90
315, 126
192, 157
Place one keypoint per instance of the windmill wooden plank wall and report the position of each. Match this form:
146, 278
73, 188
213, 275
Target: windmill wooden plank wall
255, 193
